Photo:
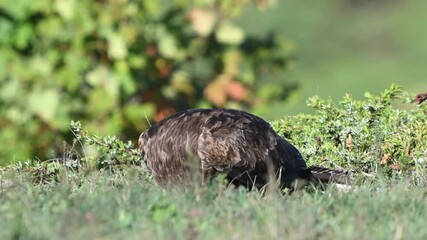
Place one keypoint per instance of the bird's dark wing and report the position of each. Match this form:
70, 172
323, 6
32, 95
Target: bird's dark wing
237, 143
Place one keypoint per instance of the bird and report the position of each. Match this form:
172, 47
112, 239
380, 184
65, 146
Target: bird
233, 142
420, 98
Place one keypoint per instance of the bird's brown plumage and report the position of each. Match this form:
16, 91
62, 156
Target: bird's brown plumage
420, 98
237, 143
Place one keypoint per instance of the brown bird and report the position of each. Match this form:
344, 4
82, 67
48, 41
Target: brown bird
234, 142
421, 97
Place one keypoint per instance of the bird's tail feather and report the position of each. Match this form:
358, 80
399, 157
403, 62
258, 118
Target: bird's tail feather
326, 175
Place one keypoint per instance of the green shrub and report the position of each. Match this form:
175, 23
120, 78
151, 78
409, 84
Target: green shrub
364, 136
115, 64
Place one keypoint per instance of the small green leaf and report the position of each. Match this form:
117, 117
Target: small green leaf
51, 27
24, 36
168, 46
229, 33
10, 90
100, 102
65, 8
139, 113
44, 103
103, 77
202, 21
117, 46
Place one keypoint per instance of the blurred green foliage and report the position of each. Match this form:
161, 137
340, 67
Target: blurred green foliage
114, 64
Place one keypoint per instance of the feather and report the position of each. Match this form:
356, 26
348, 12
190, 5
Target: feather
420, 98
327, 175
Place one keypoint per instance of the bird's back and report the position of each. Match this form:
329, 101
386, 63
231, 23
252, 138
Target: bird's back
240, 144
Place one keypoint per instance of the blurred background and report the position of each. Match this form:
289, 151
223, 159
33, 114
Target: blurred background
347, 46
119, 65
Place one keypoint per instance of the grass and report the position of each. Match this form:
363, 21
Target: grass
104, 205
109, 196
